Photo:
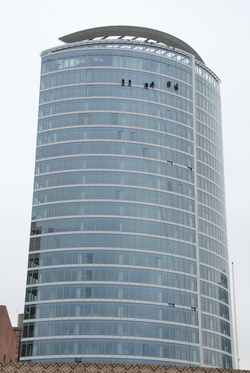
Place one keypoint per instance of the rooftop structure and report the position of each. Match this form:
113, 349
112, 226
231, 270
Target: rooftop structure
135, 33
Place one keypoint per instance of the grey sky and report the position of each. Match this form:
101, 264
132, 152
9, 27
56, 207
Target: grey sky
218, 30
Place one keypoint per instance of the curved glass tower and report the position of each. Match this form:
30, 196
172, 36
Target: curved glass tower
128, 250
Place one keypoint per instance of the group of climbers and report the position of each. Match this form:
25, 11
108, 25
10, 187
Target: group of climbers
151, 85
123, 82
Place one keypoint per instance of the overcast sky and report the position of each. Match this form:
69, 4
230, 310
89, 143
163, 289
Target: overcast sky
219, 30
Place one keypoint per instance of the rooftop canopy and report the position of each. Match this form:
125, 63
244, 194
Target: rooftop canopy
121, 32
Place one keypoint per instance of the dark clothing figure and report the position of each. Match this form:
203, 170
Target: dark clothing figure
129, 83
123, 82
146, 86
176, 86
168, 84
152, 85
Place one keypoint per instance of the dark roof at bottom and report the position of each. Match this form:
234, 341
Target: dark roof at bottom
136, 32
107, 368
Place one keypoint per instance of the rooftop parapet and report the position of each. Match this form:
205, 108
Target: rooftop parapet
135, 32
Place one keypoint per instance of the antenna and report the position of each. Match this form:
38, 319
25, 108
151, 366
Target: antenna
235, 323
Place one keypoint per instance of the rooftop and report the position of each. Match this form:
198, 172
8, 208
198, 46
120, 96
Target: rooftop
121, 32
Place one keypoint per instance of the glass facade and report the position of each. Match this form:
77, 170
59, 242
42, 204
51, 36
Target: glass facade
128, 248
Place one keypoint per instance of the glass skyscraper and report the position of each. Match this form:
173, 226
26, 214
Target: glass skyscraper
128, 257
